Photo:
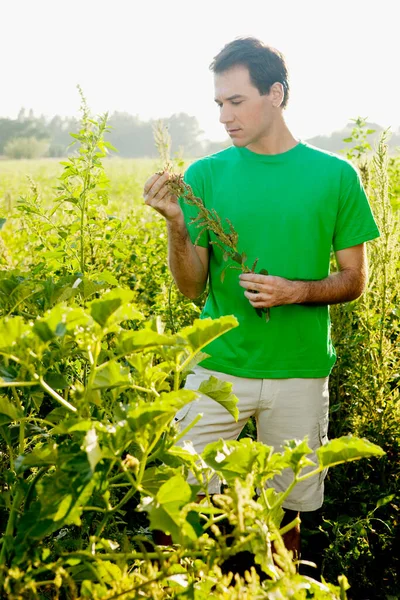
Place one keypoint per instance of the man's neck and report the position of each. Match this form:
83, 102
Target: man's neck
279, 139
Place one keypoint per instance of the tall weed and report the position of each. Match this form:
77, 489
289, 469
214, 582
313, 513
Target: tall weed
361, 509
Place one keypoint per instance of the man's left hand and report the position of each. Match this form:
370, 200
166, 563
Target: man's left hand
264, 291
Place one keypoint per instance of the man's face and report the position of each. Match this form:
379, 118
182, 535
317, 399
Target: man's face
246, 115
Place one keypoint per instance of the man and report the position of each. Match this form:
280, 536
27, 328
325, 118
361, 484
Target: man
290, 204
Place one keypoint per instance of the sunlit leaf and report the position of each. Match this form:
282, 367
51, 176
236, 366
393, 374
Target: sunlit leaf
346, 448
165, 510
112, 375
204, 331
102, 309
231, 458
11, 329
296, 455
8, 411
221, 391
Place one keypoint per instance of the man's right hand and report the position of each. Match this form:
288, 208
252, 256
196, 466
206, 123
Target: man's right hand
157, 195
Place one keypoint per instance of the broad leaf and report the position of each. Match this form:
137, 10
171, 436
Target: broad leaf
346, 448
155, 477
152, 417
221, 391
232, 458
39, 457
8, 411
165, 510
204, 331
11, 329
112, 375
133, 341
101, 310
296, 455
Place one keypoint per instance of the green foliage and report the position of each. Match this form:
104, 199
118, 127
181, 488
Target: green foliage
110, 436
365, 401
92, 363
359, 139
26, 147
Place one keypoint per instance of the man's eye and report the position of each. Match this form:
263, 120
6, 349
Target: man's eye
237, 103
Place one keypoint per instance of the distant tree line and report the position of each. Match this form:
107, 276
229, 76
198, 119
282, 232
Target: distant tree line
335, 142
30, 136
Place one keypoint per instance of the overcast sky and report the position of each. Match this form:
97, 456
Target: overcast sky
151, 57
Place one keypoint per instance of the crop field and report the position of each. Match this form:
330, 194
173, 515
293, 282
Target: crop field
95, 346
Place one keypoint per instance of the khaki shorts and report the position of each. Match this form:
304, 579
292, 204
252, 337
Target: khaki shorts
284, 409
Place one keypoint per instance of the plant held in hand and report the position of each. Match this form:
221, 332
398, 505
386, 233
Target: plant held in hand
227, 240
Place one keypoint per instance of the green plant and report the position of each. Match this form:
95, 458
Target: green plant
80, 527
93, 410
365, 400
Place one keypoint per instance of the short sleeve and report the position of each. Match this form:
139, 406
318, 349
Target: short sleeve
355, 222
193, 177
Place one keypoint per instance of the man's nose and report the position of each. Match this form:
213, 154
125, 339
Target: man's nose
225, 116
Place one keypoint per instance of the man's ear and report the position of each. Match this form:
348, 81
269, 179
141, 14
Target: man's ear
277, 94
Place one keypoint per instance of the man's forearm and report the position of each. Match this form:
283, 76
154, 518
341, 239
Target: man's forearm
339, 287
185, 265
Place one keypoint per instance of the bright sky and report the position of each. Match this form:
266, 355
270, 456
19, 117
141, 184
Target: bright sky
151, 57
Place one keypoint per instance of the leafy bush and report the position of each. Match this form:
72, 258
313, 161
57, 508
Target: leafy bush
361, 519
88, 426
26, 147
91, 380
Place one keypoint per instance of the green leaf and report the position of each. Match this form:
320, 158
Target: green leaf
39, 457
58, 321
154, 416
165, 510
345, 449
155, 477
385, 500
132, 341
111, 376
114, 303
184, 454
2, 222
204, 331
56, 381
348, 140
232, 458
11, 329
296, 455
88, 287
8, 411
106, 276
102, 309
221, 391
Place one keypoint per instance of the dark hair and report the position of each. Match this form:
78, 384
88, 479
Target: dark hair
265, 64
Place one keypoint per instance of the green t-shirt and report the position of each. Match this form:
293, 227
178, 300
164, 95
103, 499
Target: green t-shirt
289, 210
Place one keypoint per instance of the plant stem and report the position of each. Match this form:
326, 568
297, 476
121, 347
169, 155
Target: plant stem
56, 396
10, 524
22, 424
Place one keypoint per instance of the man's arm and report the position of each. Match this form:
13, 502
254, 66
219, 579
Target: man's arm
188, 263
348, 284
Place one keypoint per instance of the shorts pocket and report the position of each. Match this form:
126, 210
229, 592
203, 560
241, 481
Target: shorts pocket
323, 440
